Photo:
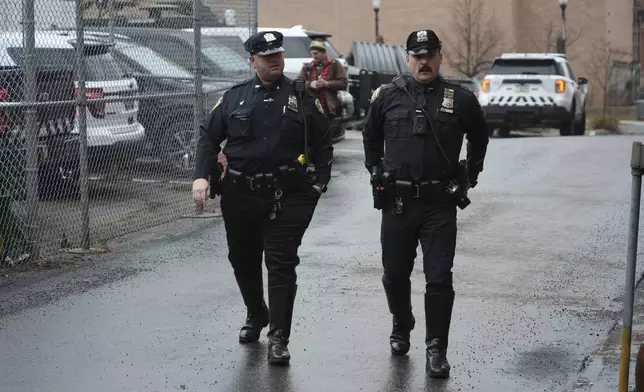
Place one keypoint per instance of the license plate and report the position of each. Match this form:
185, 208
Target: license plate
523, 88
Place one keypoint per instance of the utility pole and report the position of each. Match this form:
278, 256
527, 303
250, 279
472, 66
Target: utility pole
635, 63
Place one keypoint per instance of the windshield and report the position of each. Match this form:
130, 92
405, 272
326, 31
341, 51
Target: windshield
100, 67
524, 67
154, 63
298, 47
227, 60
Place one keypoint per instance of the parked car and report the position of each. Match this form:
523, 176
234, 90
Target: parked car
57, 143
533, 90
168, 121
111, 126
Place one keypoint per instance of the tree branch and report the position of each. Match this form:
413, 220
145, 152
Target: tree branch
472, 46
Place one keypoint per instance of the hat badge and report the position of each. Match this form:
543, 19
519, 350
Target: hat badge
421, 36
269, 37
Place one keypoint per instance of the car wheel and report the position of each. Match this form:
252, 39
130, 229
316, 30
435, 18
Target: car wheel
175, 142
504, 132
567, 126
580, 127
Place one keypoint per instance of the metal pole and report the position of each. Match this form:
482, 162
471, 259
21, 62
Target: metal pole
31, 129
110, 20
377, 12
637, 169
635, 64
82, 124
199, 101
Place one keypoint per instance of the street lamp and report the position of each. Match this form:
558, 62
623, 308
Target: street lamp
376, 10
561, 41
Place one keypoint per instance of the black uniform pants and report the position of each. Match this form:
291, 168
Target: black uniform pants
434, 226
251, 234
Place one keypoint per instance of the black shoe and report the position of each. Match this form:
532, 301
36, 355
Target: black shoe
437, 365
277, 348
281, 300
252, 329
400, 333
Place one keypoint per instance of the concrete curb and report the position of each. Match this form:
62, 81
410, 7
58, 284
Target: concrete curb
631, 127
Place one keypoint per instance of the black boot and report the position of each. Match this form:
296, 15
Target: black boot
399, 302
281, 300
256, 309
438, 315
255, 322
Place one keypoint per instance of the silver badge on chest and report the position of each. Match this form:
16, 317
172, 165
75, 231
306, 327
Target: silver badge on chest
292, 103
448, 101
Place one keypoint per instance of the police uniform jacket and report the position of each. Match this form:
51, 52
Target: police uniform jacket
263, 126
398, 136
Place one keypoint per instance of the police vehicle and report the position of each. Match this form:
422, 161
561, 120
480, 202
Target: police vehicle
534, 90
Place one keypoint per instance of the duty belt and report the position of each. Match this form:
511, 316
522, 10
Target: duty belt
426, 190
285, 179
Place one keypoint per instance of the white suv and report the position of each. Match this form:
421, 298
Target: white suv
109, 124
534, 90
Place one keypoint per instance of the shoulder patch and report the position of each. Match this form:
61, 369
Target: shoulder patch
218, 103
318, 105
375, 94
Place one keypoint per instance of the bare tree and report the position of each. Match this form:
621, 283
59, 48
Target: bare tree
548, 39
600, 68
474, 41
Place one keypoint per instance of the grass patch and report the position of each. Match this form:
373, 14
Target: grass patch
608, 123
618, 112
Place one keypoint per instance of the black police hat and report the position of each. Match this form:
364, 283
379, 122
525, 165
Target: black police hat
422, 41
264, 43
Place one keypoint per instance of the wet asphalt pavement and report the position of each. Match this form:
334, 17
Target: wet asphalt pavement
538, 280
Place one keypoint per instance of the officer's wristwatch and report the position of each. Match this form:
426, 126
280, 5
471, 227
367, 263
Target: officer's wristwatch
321, 188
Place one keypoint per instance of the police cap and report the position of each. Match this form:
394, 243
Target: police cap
264, 43
422, 41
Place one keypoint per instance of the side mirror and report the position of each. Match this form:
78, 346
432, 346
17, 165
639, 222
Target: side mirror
582, 80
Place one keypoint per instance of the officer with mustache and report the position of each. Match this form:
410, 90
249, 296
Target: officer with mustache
412, 141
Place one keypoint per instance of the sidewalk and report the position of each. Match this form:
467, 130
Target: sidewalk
628, 127
601, 370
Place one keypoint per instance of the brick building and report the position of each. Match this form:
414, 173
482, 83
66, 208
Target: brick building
599, 32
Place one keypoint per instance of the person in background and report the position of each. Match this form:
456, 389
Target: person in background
324, 77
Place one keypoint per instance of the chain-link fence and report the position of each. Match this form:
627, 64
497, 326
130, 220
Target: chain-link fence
100, 103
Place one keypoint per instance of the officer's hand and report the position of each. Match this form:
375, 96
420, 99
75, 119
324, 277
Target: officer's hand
200, 192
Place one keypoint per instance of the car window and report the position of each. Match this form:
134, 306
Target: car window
153, 62
99, 66
572, 74
524, 67
226, 59
103, 67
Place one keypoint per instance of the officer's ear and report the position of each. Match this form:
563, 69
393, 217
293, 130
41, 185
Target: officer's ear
251, 60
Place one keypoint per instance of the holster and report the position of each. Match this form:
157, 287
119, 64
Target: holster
215, 179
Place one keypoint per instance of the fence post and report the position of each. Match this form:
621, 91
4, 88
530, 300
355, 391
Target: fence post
637, 169
31, 129
81, 103
199, 101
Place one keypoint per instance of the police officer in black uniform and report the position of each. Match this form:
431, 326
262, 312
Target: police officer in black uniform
412, 141
269, 192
